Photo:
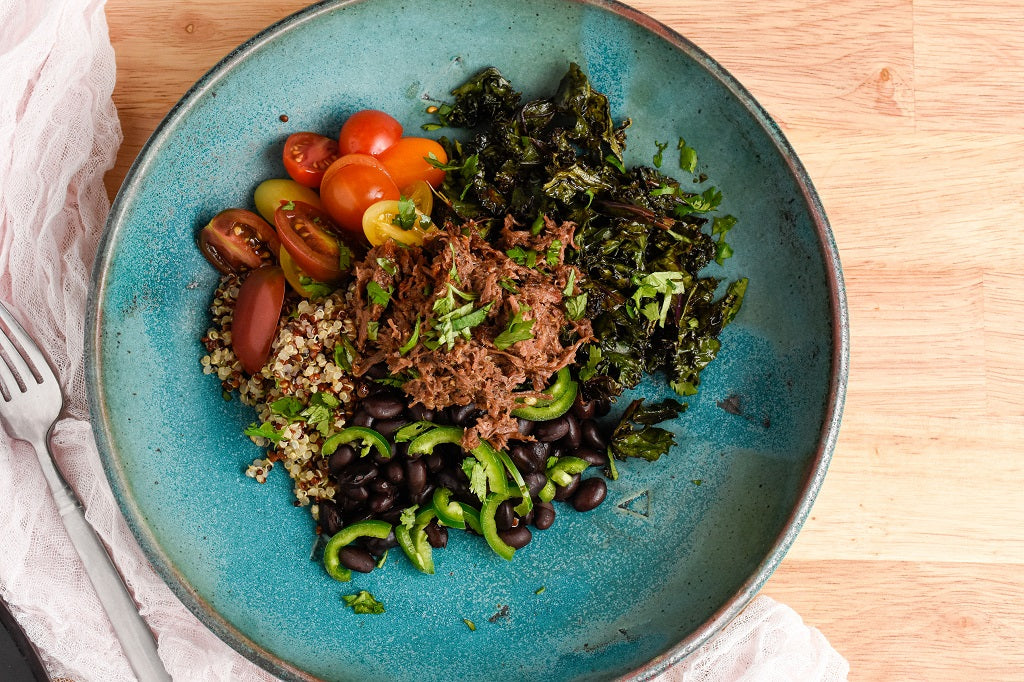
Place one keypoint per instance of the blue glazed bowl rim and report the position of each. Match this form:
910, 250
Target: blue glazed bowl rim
817, 467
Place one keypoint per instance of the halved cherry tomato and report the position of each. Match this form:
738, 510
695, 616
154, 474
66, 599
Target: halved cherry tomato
237, 240
379, 225
257, 312
311, 239
350, 190
270, 194
307, 156
296, 276
353, 159
406, 161
421, 195
368, 132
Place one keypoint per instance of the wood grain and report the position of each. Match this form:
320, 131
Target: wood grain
909, 116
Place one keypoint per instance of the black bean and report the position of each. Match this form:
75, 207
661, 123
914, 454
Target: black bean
394, 471
387, 427
399, 450
539, 453
543, 515
463, 415
591, 456
535, 481
361, 515
517, 537
573, 437
420, 413
425, 494
340, 459
415, 475
446, 478
592, 435
526, 520
602, 407
356, 559
382, 502
550, 431
590, 494
521, 458
378, 371
361, 418
359, 472
349, 504
437, 535
504, 514
583, 409
525, 426
434, 462
356, 493
330, 517
565, 493
392, 516
383, 406
382, 486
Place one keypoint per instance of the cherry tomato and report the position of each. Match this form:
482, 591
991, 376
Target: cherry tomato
307, 156
296, 275
406, 161
368, 132
270, 194
379, 225
351, 189
237, 240
257, 312
311, 239
421, 195
353, 159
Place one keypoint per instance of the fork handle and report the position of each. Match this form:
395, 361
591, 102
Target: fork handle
136, 638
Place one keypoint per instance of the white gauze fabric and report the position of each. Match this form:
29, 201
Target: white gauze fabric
59, 134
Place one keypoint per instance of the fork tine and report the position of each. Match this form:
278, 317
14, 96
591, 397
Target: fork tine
8, 384
31, 358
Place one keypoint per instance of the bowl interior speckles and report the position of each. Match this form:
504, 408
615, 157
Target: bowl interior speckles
679, 547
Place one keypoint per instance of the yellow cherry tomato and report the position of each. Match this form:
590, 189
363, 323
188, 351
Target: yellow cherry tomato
421, 194
380, 223
270, 194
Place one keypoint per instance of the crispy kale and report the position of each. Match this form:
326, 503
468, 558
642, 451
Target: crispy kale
642, 239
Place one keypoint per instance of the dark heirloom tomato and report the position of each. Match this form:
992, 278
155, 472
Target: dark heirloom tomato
368, 132
312, 240
257, 312
307, 156
237, 240
349, 191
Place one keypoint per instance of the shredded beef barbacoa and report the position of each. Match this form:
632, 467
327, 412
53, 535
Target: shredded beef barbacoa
441, 308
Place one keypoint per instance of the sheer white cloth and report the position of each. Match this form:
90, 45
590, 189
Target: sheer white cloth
59, 134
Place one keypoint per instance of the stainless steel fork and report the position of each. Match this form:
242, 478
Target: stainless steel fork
30, 402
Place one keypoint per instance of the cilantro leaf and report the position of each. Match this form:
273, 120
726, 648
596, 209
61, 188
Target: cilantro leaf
518, 330
477, 477
720, 227
687, 156
372, 327
344, 257
363, 603
387, 265
288, 407
413, 338
264, 430
406, 216
378, 294
408, 517
344, 354
662, 146
553, 251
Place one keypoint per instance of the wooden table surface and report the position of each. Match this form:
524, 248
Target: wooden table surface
909, 115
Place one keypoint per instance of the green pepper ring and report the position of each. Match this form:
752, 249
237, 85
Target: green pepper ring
364, 433
563, 393
345, 537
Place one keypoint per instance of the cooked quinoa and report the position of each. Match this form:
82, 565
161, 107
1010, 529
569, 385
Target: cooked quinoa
301, 364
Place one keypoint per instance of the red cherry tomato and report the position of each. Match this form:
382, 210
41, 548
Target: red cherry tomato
311, 239
237, 240
368, 132
307, 156
406, 161
350, 190
257, 312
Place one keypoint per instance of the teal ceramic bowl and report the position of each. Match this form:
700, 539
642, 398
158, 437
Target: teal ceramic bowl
679, 547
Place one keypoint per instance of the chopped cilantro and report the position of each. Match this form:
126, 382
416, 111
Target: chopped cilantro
518, 329
264, 430
687, 156
540, 590
477, 475
344, 257
363, 603
290, 206
408, 517
406, 216
378, 294
616, 162
509, 285
387, 265
315, 289
372, 327
553, 251
344, 353
651, 286
288, 407
469, 624
413, 338
662, 146
538, 225
517, 254
720, 227
696, 481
